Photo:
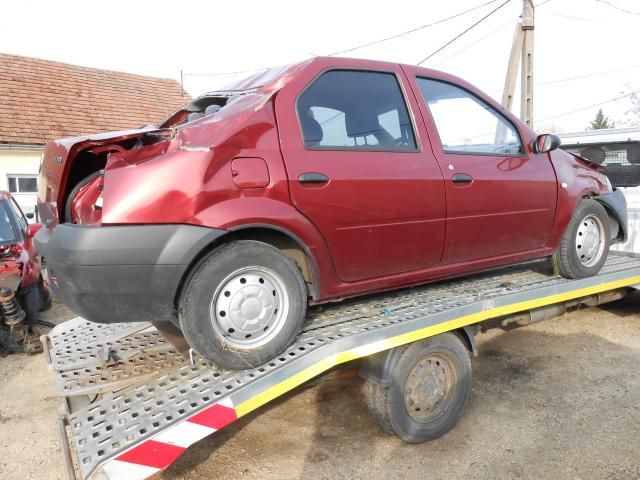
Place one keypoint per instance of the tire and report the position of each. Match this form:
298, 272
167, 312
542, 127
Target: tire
74, 192
45, 297
578, 258
243, 305
405, 408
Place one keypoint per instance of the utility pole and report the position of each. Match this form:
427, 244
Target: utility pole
521, 54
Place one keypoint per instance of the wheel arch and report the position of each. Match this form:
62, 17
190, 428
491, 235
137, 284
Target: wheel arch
282, 239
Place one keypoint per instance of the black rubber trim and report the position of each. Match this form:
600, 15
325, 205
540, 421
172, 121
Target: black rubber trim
121, 273
616, 204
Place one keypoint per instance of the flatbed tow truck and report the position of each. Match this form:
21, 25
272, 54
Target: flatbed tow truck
134, 402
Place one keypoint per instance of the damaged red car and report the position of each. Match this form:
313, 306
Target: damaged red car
325, 179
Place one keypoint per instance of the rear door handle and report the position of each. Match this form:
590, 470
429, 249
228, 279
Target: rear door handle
313, 178
461, 179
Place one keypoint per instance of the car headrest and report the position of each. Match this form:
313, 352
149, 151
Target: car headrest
212, 109
311, 130
361, 123
595, 154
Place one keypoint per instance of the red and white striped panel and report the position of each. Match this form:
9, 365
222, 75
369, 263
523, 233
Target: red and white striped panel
158, 452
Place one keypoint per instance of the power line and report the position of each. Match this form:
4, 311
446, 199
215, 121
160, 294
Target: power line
588, 75
590, 106
616, 7
474, 43
422, 27
465, 31
223, 73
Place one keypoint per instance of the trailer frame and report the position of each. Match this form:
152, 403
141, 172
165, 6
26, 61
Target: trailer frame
134, 404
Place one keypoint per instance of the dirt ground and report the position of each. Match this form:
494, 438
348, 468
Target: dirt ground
557, 400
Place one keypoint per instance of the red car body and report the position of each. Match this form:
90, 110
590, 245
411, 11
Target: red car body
382, 220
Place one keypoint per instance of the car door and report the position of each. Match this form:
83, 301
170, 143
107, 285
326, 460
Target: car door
358, 170
500, 199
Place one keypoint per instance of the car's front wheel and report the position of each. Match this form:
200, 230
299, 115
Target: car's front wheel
243, 305
585, 243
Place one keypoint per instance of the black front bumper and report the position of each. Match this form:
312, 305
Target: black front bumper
121, 273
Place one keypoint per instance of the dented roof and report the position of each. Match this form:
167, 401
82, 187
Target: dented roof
41, 100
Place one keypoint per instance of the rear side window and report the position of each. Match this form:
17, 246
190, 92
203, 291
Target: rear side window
466, 124
355, 110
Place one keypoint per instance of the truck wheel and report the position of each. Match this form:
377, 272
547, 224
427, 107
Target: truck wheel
585, 243
243, 305
429, 385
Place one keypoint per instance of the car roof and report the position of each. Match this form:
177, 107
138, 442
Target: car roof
277, 77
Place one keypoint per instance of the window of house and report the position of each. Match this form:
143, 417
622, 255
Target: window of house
467, 124
355, 110
23, 183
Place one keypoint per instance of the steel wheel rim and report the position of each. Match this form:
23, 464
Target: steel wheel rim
430, 388
590, 241
249, 307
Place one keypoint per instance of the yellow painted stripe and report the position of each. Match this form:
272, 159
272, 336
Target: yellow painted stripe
379, 346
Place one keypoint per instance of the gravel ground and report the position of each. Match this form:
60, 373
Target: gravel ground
557, 400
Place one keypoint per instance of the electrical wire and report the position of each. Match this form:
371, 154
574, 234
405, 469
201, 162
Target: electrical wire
590, 106
510, 22
463, 32
422, 27
223, 73
616, 7
588, 75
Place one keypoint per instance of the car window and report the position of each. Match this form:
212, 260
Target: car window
7, 231
466, 124
355, 110
19, 215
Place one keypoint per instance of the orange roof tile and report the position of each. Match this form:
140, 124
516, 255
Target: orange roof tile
42, 100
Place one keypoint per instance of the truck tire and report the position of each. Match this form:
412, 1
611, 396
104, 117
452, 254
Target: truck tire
585, 243
244, 305
426, 392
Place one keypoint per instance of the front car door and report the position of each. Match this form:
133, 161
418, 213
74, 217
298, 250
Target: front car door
361, 170
500, 200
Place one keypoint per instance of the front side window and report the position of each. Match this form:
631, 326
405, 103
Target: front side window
19, 215
7, 231
23, 183
466, 124
355, 110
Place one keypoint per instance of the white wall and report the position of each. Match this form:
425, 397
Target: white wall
16, 160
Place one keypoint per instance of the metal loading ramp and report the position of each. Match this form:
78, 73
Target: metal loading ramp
134, 404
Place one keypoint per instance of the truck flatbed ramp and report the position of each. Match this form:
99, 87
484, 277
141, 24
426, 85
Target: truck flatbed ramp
134, 404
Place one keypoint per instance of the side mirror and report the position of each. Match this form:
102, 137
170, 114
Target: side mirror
545, 143
33, 229
30, 215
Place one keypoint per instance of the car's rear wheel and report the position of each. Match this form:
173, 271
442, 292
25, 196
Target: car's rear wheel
243, 305
585, 243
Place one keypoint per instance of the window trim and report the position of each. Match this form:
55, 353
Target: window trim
373, 148
18, 176
477, 97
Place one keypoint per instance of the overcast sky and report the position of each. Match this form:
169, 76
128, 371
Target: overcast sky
573, 38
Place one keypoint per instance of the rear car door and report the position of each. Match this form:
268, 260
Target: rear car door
358, 169
500, 199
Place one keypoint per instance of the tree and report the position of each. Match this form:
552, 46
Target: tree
601, 121
634, 112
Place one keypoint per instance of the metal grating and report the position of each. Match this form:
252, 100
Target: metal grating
622, 160
125, 416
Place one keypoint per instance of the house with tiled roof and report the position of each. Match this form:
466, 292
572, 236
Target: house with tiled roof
41, 100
